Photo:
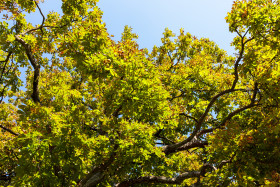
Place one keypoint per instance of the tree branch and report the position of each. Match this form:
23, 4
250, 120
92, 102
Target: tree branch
183, 114
43, 21
236, 64
36, 66
175, 180
194, 144
173, 147
159, 180
157, 134
97, 173
4, 67
39, 27
117, 111
232, 114
205, 131
8, 130
2, 93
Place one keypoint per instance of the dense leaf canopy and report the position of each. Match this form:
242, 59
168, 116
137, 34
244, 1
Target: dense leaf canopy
80, 109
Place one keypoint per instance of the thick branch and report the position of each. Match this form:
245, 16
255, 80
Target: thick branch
190, 145
173, 147
117, 111
97, 173
159, 180
36, 66
236, 64
252, 104
195, 143
175, 180
9, 130
205, 131
232, 114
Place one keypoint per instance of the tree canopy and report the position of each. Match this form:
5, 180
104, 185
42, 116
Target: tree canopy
81, 109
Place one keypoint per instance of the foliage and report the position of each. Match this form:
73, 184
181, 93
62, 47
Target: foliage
97, 112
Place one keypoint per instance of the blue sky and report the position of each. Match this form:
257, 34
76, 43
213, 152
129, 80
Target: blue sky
149, 18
